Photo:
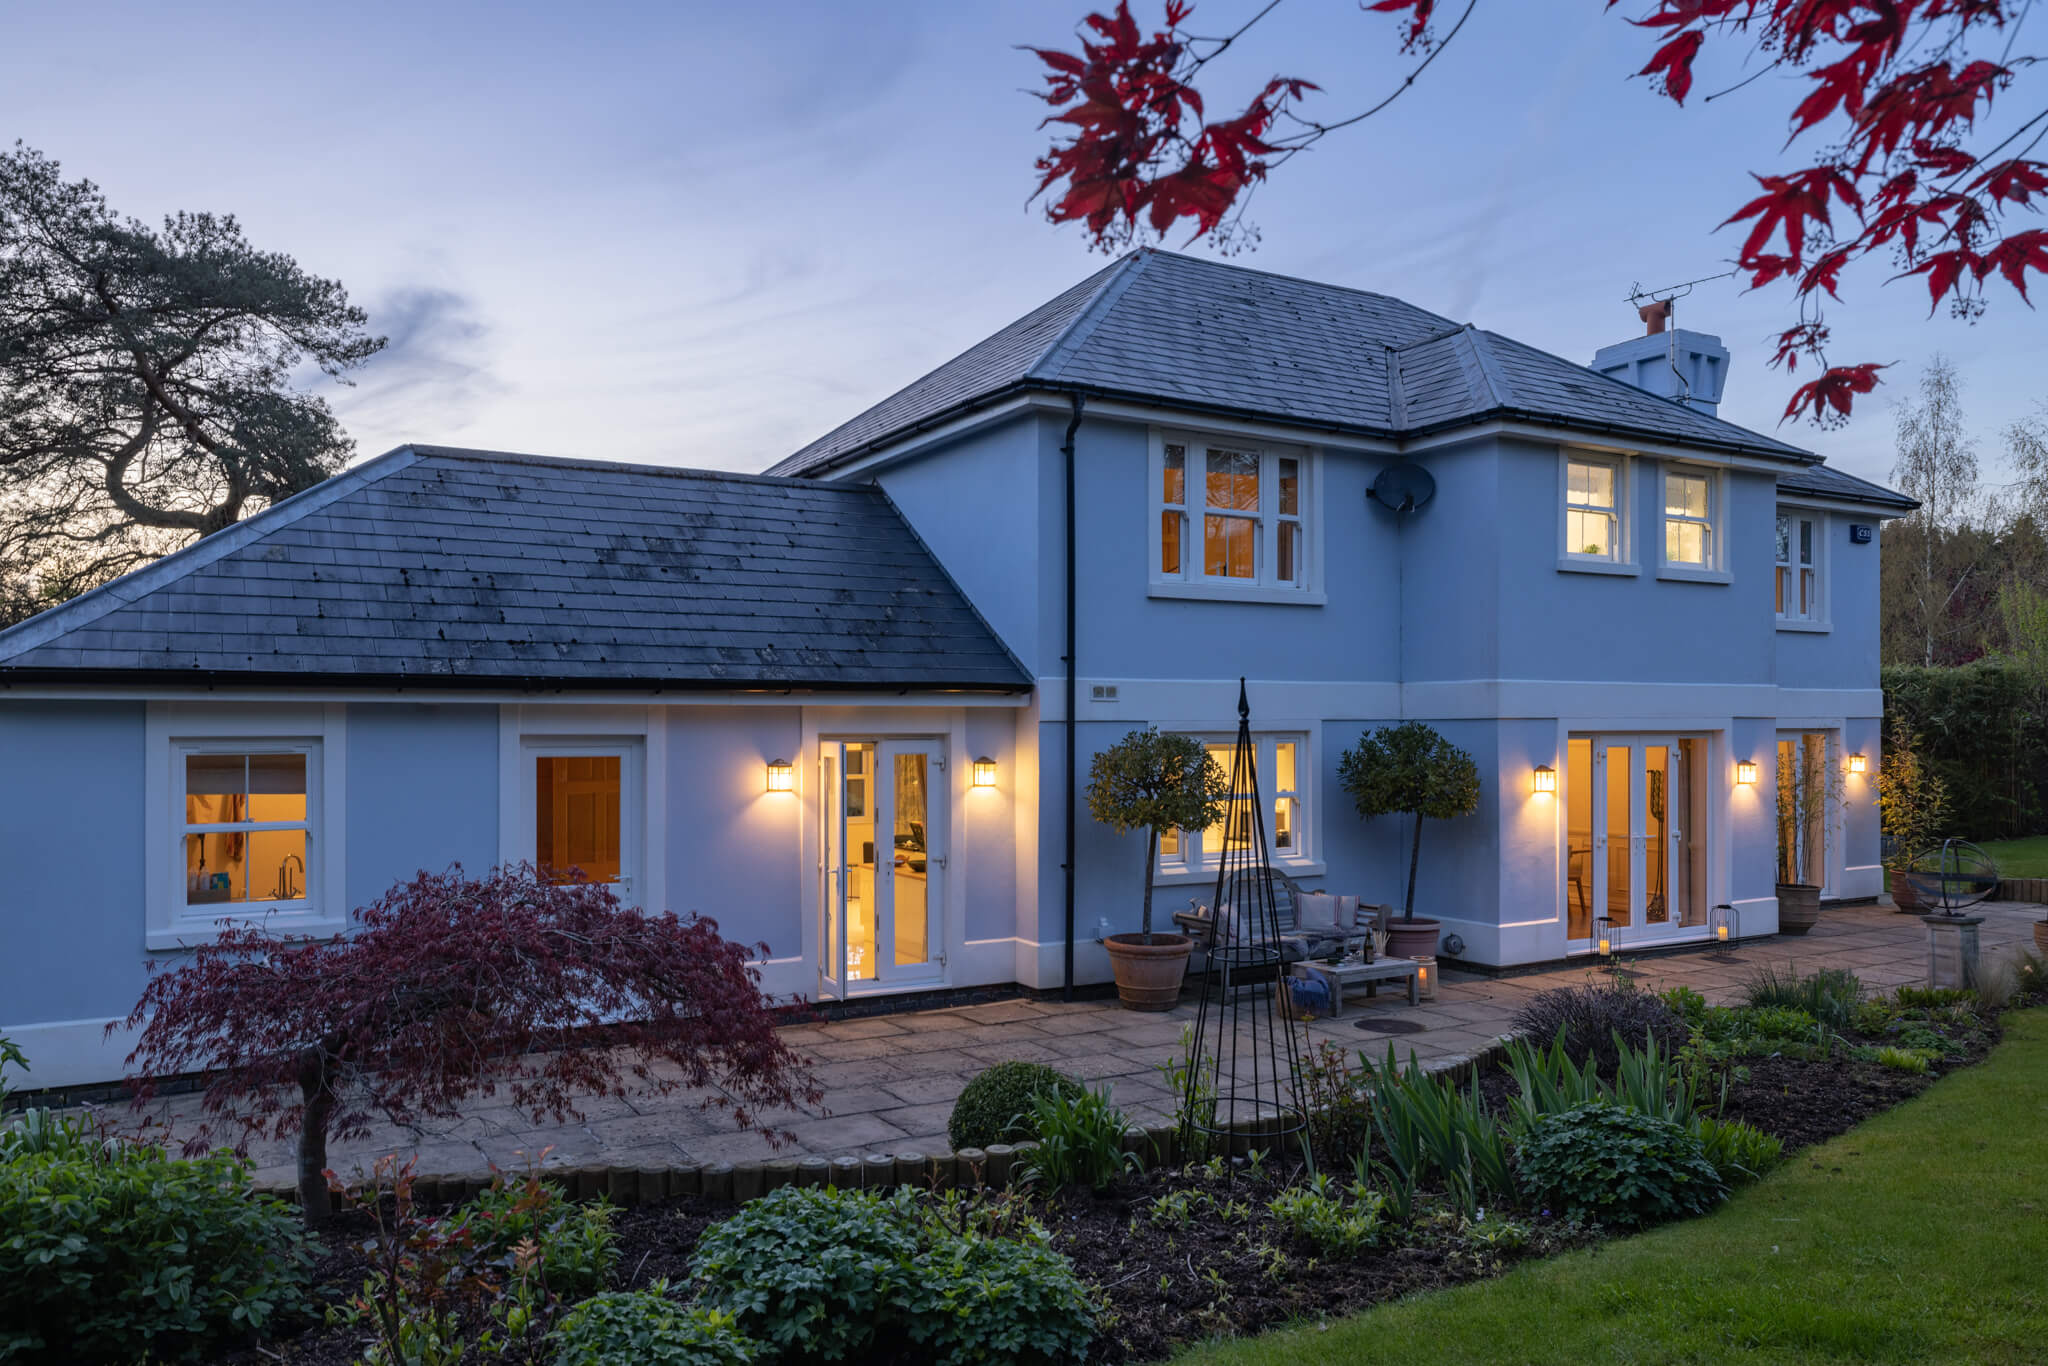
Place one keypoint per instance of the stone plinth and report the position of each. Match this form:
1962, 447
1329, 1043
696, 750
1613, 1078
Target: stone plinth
1952, 949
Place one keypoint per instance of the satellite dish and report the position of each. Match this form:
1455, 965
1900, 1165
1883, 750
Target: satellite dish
1403, 487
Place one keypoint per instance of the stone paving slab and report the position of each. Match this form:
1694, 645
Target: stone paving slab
890, 1080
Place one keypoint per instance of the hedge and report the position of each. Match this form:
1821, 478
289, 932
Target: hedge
1982, 732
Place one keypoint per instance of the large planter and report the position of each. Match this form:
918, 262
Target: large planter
1903, 895
1149, 968
1798, 907
1408, 938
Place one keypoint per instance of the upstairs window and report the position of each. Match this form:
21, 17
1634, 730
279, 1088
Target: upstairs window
1689, 519
1592, 509
1230, 516
1799, 542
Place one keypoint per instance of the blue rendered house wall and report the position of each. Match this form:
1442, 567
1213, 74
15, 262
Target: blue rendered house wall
422, 793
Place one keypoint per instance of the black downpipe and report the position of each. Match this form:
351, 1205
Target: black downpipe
1073, 696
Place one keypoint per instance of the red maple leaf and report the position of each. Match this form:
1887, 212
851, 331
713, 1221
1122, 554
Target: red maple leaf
1833, 394
1674, 61
2015, 256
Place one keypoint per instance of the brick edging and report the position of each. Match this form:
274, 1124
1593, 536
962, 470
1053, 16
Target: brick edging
738, 1182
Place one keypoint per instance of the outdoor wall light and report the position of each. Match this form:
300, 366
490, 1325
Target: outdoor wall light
984, 772
1745, 773
1858, 764
1546, 779
781, 776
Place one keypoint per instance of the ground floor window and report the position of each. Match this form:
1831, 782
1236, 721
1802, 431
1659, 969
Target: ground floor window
584, 810
1281, 762
246, 824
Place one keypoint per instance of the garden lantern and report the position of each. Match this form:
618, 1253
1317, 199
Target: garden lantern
1603, 937
1425, 976
1726, 924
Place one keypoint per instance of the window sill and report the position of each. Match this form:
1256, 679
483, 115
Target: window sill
1678, 573
1813, 628
191, 933
1207, 592
1568, 564
1194, 877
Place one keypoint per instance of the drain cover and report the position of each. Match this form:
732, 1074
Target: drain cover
1373, 1024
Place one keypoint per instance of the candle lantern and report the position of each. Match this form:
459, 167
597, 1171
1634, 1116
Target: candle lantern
1425, 976
1726, 924
1603, 937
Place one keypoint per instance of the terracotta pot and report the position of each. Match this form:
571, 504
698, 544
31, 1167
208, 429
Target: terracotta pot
2041, 937
1406, 938
1903, 895
1798, 907
1149, 968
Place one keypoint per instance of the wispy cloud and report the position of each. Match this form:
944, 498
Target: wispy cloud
434, 369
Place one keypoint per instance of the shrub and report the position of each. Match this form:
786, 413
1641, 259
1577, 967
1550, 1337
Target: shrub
1080, 1140
573, 1243
1919, 1038
1874, 1016
1608, 1165
645, 1328
1339, 1105
126, 1252
995, 1107
1685, 1003
972, 1299
1153, 782
1932, 998
451, 986
1778, 1022
1592, 1016
804, 1268
1317, 1215
1739, 1151
1829, 996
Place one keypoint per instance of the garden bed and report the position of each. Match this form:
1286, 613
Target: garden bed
1180, 1255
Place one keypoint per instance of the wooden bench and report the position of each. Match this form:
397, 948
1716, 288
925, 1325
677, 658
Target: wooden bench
1370, 920
1341, 977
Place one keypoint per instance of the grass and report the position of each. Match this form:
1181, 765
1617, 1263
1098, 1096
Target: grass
2020, 858
1919, 1236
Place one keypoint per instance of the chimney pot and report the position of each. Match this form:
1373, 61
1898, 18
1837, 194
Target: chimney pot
1654, 315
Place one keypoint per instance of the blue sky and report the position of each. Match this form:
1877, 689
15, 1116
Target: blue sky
704, 235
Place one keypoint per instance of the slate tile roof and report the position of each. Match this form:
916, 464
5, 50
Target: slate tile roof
1178, 330
1829, 482
438, 566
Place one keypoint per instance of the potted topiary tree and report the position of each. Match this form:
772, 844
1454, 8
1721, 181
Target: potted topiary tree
1410, 770
1155, 783
1912, 803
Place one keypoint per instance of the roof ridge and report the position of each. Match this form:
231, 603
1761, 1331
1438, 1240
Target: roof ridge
1397, 393
481, 456
90, 606
1087, 317
1496, 381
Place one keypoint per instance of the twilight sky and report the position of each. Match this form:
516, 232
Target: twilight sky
703, 235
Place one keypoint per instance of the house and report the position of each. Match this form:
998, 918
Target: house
841, 708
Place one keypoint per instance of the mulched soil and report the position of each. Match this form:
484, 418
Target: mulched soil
1223, 1272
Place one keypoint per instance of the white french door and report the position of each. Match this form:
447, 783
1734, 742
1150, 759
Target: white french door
885, 850
1636, 826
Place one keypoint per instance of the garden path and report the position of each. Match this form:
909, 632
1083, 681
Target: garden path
890, 1080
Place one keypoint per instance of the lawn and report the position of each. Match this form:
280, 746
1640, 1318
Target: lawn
1920, 1236
2020, 858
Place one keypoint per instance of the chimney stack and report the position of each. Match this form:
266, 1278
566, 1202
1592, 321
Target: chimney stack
1686, 367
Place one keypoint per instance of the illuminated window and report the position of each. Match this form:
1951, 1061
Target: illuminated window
1798, 547
1280, 760
584, 809
1592, 509
246, 828
1688, 519
1231, 516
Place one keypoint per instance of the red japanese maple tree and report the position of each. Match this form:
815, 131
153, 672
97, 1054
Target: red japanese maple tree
1916, 170
450, 988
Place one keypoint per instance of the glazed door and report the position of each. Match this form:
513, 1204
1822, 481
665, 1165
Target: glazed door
884, 866
1635, 837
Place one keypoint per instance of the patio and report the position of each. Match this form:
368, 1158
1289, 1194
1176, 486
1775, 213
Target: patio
890, 1081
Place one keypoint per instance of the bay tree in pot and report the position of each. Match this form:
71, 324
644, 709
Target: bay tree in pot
1155, 783
1807, 782
1410, 770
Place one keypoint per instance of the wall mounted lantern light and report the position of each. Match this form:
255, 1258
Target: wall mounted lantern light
1858, 764
781, 776
1545, 780
1745, 773
984, 772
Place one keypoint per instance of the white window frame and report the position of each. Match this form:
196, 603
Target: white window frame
1569, 558
1818, 619
1715, 570
1192, 862
1263, 586
173, 730
638, 736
